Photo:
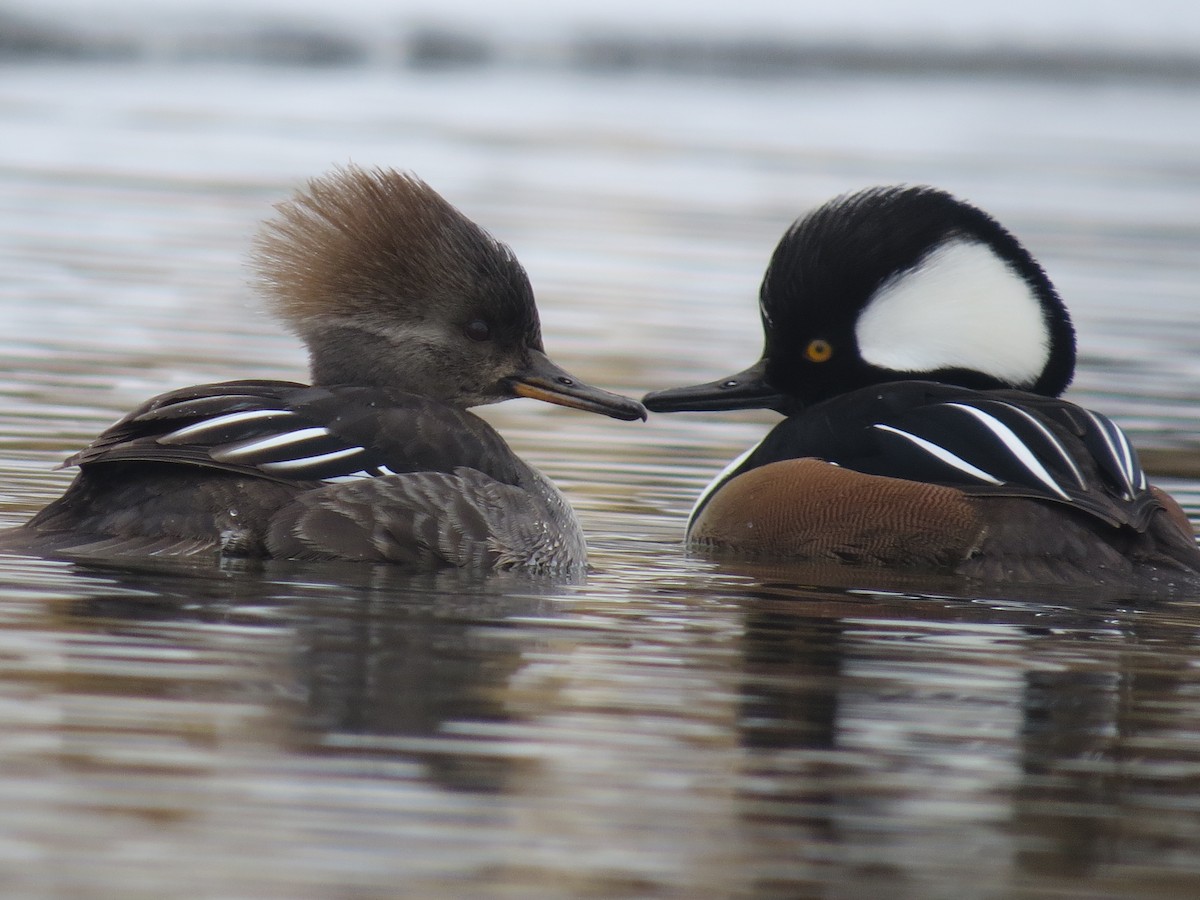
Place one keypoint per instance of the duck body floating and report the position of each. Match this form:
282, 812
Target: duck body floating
918, 352
411, 314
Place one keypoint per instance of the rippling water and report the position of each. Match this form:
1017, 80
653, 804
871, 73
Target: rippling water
674, 727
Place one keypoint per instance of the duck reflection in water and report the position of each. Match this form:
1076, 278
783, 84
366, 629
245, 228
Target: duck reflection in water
883, 728
333, 659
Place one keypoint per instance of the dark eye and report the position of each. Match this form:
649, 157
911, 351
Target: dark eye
478, 330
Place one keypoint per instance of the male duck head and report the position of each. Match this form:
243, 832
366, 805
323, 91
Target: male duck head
390, 286
894, 284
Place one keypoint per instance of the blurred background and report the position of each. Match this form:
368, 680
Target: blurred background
674, 727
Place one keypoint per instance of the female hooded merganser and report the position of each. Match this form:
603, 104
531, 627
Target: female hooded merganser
918, 351
411, 313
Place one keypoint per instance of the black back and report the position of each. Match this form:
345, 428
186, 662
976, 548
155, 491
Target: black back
998, 443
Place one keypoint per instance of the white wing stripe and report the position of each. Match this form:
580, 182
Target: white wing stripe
1121, 452
274, 442
353, 476
1016, 447
944, 455
1055, 442
1127, 468
287, 465
189, 432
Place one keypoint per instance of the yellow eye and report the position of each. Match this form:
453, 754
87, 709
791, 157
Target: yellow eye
818, 350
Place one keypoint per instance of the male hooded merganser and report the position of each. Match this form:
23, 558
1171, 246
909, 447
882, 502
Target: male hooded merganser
411, 313
918, 351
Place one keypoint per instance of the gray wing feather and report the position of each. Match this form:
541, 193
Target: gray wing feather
433, 519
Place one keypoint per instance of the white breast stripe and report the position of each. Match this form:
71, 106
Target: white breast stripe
1015, 446
304, 462
189, 432
1056, 443
712, 485
273, 442
1121, 452
943, 454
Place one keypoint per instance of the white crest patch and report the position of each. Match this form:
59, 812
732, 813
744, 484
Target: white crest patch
961, 307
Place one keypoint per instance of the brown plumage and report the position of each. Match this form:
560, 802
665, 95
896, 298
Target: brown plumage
807, 509
411, 313
380, 244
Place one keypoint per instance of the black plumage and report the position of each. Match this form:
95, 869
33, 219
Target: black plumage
918, 351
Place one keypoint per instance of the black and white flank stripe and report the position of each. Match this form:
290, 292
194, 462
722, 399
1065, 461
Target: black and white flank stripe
278, 442
275, 430
1004, 443
996, 443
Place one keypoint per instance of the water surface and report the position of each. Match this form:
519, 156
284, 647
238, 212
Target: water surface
673, 727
